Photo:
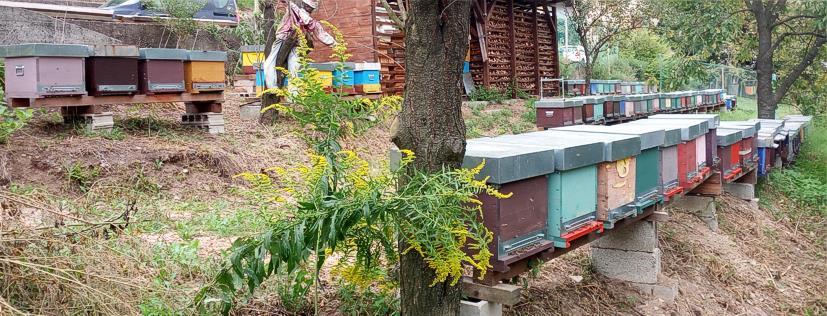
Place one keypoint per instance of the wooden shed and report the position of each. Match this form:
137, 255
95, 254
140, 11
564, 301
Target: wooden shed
512, 42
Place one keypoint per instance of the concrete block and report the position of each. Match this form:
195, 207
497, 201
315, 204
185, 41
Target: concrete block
481, 308
250, 112
701, 206
666, 289
103, 122
744, 191
641, 236
624, 265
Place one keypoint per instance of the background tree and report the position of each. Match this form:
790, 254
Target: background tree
758, 33
598, 22
431, 125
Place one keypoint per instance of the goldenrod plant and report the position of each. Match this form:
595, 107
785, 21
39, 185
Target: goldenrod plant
335, 204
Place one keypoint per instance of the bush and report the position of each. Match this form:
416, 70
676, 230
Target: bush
483, 93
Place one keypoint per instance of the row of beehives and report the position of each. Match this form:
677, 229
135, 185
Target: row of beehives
49, 70
578, 87
571, 181
344, 78
559, 112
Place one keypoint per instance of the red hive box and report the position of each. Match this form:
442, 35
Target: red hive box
161, 70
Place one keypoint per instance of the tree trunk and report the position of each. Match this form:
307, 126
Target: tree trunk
431, 125
763, 63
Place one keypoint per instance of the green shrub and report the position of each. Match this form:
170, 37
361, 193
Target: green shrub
81, 176
483, 93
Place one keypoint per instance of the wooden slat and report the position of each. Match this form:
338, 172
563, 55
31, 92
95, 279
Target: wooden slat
126, 99
507, 294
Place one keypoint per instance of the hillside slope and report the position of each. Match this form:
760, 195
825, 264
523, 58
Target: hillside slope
188, 208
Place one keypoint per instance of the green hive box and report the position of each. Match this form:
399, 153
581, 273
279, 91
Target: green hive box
649, 183
616, 175
572, 188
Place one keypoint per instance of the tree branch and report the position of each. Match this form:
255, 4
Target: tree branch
808, 58
794, 17
778, 40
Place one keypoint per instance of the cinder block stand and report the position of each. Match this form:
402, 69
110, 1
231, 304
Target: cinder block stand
630, 254
91, 118
480, 308
206, 116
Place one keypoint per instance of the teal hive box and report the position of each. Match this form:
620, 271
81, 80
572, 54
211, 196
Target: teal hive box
616, 174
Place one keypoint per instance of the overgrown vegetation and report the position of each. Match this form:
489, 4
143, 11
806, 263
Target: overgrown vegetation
180, 12
335, 206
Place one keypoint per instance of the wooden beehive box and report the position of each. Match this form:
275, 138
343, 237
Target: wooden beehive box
161, 70
43, 70
252, 56
588, 109
557, 112
519, 223
204, 71
749, 144
615, 174
598, 107
572, 188
691, 130
112, 70
653, 139
709, 152
729, 141
367, 78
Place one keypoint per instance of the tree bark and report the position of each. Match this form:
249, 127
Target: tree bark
763, 63
431, 125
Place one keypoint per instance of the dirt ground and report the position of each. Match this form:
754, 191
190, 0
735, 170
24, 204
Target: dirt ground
755, 264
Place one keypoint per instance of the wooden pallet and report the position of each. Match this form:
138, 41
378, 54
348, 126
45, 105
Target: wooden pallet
86, 100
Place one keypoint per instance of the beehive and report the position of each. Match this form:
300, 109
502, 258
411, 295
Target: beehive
43, 70
204, 71
608, 106
612, 86
588, 109
558, 112
668, 155
618, 104
344, 78
519, 223
626, 88
161, 70
572, 188
598, 102
635, 105
112, 70
324, 73
597, 86
615, 175
648, 180
749, 142
713, 120
691, 130
251, 58
576, 87
729, 147
639, 87
804, 119
366, 78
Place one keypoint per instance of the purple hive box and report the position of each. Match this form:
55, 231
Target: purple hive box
43, 70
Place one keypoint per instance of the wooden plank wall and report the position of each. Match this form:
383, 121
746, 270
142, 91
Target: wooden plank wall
518, 46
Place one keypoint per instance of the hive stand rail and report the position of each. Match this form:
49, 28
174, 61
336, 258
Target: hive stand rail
493, 278
203, 110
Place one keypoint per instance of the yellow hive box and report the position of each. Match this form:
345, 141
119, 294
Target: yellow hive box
371, 88
204, 71
251, 57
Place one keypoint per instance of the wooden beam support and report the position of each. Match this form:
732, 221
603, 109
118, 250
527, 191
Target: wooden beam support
506, 294
711, 186
121, 99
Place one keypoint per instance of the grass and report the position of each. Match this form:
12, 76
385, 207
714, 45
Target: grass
493, 122
748, 109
